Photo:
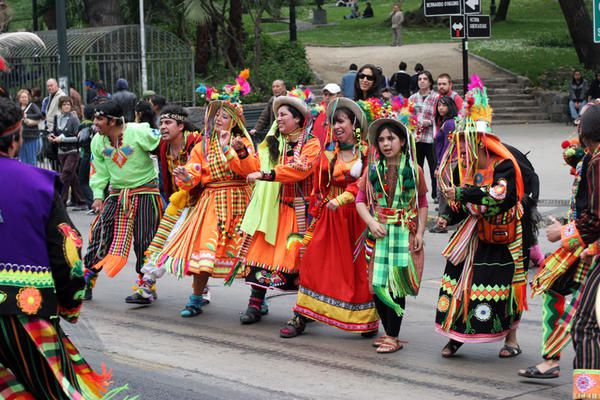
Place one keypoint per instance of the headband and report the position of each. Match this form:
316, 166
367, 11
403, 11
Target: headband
176, 117
100, 113
12, 129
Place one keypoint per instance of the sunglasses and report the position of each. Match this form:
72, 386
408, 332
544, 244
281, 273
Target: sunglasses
367, 77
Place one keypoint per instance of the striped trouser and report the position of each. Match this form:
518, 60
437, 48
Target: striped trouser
147, 217
24, 372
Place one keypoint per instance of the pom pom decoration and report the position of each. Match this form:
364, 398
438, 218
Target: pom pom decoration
3, 65
565, 144
231, 93
304, 94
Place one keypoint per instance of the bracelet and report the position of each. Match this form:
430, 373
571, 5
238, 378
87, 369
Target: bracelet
267, 176
225, 149
242, 153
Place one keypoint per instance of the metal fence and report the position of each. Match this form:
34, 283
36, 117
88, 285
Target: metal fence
107, 54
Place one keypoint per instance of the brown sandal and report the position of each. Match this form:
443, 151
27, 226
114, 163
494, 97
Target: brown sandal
389, 345
379, 341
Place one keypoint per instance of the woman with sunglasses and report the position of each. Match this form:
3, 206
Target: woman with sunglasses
367, 83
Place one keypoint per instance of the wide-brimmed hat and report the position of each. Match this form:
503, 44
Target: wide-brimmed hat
298, 98
375, 125
352, 106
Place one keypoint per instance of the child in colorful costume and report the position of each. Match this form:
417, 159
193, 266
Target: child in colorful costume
133, 209
178, 138
334, 286
288, 157
41, 280
561, 275
483, 290
209, 239
393, 203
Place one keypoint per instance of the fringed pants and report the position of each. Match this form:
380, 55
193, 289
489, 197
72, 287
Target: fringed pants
146, 222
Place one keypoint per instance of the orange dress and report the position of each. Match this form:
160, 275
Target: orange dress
272, 266
210, 236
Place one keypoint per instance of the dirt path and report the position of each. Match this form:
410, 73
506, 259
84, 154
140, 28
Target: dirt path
330, 63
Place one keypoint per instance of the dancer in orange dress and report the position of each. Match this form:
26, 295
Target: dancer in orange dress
279, 205
208, 241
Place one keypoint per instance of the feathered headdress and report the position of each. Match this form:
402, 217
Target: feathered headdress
476, 113
232, 92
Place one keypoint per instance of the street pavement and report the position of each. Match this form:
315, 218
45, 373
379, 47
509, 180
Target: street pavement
163, 356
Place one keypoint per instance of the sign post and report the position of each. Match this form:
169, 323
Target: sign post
443, 8
596, 21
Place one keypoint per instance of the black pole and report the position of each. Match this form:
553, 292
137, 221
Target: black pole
465, 52
35, 15
63, 55
293, 36
493, 8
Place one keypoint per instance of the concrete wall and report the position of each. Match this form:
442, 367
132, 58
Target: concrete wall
555, 104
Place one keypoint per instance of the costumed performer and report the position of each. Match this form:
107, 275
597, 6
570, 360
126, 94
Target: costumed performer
279, 205
483, 288
209, 239
121, 161
393, 203
334, 286
41, 279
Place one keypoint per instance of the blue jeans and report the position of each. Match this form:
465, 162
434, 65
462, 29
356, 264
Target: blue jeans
575, 111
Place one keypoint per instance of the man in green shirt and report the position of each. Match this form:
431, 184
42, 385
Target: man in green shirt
131, 212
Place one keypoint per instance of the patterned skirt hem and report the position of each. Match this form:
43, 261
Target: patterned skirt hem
345, 326
474, 338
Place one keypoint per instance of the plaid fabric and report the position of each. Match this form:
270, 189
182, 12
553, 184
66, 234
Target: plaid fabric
11, 388
217, 163
425, 110
231, 198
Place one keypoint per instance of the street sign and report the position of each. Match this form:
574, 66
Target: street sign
472, 7
479, 26
596, 21
441, 8
457, 27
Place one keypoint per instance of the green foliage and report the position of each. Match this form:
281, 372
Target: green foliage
550, 39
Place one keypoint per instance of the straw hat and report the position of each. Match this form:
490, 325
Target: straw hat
352, 106
375, 125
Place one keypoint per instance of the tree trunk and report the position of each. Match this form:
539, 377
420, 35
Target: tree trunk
202, 48
258, 41
103, 12
581, 29
502, 11
236, 34
5, 16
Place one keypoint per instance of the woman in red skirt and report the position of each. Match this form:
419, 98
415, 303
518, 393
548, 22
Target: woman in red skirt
334, 286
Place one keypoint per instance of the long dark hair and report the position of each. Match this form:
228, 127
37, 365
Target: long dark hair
147, 115
375, 90
452, 110
394, 129
273, 141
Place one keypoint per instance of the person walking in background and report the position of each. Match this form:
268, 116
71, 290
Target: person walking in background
445, 113
266, 118
348, 81
578, 90
425, 101
397, 18
66, 128
367, 83
414, 87
400, 81
31, 133
125, 99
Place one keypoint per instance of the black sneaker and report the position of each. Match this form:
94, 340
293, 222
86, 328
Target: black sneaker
137, 298
437, 229
87, 294
250, 316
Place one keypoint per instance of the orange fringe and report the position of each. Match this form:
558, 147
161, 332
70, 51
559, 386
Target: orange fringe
112, 264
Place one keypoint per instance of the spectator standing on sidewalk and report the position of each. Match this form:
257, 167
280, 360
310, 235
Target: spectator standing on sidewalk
348, 81
444, 88
400, 81
397, 18
125, 99
31, 133
413, 79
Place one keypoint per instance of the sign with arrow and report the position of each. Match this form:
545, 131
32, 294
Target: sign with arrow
479, 26
457, 27
472, 7
441, 8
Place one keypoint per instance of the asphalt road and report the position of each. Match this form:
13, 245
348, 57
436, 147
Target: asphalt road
163, 356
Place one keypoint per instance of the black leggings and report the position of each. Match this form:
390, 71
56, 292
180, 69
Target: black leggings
389, 319
425, 151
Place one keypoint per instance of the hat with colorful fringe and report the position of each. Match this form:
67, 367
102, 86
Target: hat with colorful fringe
476, 115
397, 111
298, 98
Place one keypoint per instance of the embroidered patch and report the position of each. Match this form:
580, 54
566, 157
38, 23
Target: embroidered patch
71, 246
478, 178
120, 156
443, 303
498, 192
585, 383
483, 312
268, 278
29, 300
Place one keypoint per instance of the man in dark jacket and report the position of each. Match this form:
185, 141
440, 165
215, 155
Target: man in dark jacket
400, 81
125, 99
